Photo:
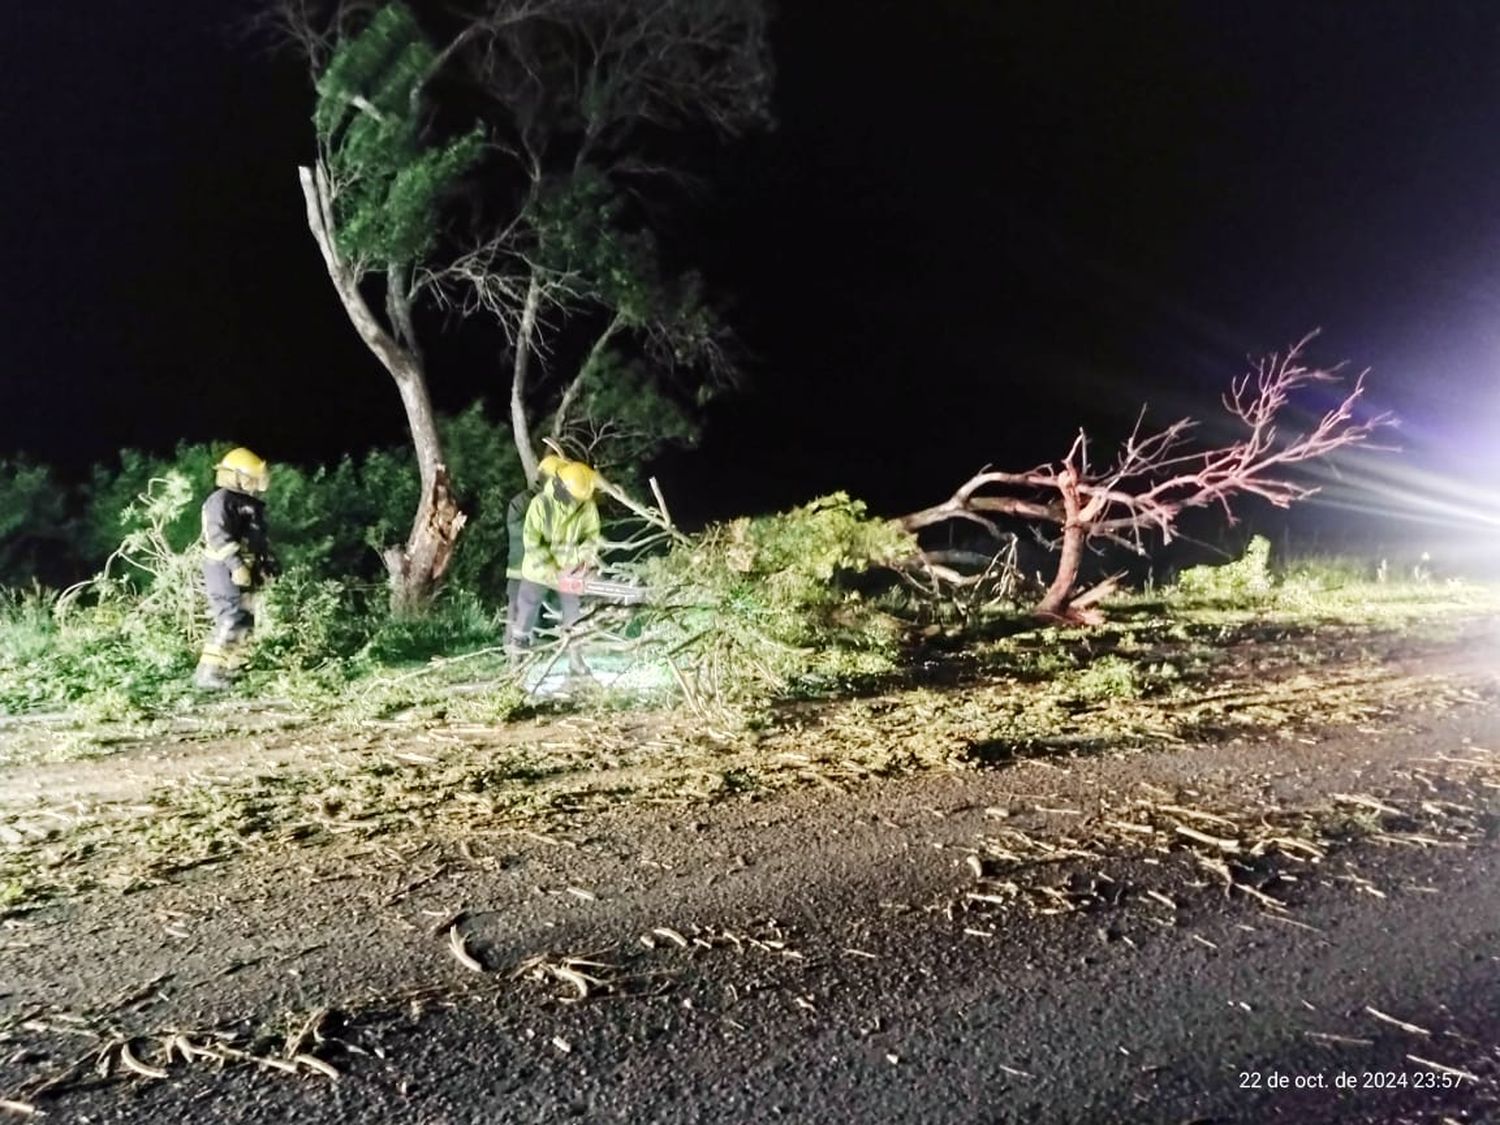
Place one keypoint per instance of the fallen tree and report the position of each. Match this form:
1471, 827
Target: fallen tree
1156, 476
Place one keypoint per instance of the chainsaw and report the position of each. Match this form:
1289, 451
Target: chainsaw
625, 592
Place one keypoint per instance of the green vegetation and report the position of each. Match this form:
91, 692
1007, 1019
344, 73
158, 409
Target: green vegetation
743, 616
749, 611
762, 607
1248, 578
1147, 679
121, 641
789, 663
369, 122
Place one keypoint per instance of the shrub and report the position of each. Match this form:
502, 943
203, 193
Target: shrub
1248, 578
113, 492
458, 621
305, 622
1109, 677
1325, 572
37, 539
122, 642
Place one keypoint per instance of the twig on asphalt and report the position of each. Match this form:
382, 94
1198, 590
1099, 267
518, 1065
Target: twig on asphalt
1453, 1070
1402, 1024
1328, 1037
460, 951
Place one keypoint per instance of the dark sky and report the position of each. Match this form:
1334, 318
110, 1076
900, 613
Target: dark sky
978, 225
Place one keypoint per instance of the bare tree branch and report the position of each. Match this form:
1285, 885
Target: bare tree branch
1155, 477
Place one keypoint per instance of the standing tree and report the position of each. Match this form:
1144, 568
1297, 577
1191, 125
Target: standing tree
596, 108
588, 112
373, 205
1155, 478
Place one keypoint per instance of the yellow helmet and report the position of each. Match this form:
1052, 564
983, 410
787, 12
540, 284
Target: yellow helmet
242, 471
548, 466
578, 479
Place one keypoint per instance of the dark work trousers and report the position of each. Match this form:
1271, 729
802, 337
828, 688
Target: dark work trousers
528, 607
232, 611
512, 603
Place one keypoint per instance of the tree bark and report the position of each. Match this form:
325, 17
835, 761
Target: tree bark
1055, 602
398, 309
417, 568
570, 395
520, 427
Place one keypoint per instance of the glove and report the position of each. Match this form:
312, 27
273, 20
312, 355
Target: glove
240, 576
570, 582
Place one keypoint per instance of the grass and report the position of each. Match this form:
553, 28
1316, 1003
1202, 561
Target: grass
454, 763
1176, 666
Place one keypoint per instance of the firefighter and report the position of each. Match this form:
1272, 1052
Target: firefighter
237, 561
515, 527
561, 538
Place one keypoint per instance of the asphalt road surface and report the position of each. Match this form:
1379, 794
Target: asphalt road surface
837, 970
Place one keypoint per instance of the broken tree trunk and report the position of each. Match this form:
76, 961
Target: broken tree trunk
1054, 603
417, 567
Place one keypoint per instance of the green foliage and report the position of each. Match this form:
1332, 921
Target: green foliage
306, 622
1109, 677
390, 182
629, 399
125, 641
335, 521
130, 645
332, 520
1248, 578
34, 524
580, 232
763, 604
487, 473
632, 415
149, 561
1325, 572
28, 626
458, 622
113, 491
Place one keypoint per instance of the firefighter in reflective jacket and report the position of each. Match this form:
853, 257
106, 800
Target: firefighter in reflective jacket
515, 529
237, 560
561, 541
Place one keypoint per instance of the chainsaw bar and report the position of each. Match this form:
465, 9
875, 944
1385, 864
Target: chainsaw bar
614, 591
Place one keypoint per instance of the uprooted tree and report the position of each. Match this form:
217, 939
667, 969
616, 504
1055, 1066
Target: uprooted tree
1157, 476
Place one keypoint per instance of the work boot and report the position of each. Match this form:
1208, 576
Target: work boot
209, 677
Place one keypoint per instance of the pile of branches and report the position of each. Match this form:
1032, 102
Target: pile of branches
757, 607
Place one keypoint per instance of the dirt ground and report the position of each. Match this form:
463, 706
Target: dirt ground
316, 973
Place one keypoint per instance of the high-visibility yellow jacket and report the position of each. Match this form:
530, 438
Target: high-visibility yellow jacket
560, 533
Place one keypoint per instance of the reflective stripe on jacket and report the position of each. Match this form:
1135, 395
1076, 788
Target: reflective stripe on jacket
234, 531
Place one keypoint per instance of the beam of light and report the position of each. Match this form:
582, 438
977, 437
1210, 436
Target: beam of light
1450, 518
1406, 492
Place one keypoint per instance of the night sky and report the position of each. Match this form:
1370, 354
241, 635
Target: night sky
977, 226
